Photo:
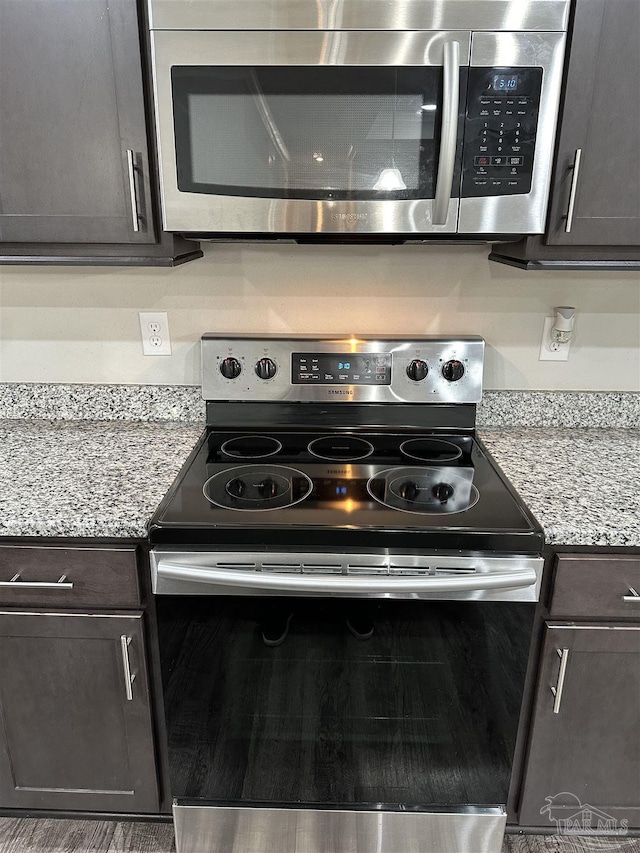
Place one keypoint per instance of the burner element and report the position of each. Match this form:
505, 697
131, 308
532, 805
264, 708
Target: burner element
257, 487
251, 447
430, 450
340, 448
441, 490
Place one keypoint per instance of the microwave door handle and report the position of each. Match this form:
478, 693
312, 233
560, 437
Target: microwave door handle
448, 133
336, 584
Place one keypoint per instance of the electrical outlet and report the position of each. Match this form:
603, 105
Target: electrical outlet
560, 351
154, 330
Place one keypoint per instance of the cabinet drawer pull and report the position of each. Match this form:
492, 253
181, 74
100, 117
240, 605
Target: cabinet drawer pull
633, 595
125, 642
574, 189
557, 690
16, 583
133, 195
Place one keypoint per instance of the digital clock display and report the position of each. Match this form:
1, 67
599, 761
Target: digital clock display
507, 83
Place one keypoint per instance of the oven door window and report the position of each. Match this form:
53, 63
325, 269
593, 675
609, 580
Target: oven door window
424, 712
318, 133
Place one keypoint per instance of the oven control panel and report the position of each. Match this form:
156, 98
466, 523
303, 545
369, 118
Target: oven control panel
320, 368
428, 369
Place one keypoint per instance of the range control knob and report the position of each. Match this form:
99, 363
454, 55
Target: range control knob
453, 370
230, 368
417, 370
442, 491
266, 368
268, 488
409, 491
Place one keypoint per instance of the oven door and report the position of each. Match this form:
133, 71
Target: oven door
303, 132
331, 743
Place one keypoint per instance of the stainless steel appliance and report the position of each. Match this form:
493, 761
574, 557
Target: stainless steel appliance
336, 475
302, 118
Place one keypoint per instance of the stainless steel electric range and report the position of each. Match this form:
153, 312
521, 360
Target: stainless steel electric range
340, 482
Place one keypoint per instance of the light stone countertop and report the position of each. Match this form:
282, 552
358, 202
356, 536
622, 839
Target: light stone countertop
583, 485
86, 478
105, 478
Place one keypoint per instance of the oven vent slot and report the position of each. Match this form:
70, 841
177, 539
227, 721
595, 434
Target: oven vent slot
337, 567
413, 571
286, 568
368, 568
455, 570
322, 569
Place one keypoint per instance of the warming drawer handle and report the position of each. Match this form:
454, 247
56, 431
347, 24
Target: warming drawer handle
16, 583
448, 133
516, 579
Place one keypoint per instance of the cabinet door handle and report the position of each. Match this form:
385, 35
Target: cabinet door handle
557, 690
133, 194
448, 133
633, 596
16, 583
574, 188
125, 642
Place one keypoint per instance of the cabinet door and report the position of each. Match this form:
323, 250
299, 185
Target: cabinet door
584, 749
73, 123
72, 734
600, 119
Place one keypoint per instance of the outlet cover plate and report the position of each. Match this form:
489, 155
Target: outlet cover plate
154, 331
546, 354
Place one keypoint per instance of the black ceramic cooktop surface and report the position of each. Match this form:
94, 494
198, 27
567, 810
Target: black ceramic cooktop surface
314, 489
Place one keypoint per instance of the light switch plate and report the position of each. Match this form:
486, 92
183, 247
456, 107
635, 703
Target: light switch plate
154, 331
547, 354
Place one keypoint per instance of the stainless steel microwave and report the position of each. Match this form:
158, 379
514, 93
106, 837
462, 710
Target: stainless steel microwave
411, 119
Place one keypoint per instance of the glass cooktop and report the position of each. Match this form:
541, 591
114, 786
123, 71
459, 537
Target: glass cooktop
371, 489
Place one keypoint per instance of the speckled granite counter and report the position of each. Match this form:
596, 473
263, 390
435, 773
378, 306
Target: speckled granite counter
84, 478
105, 478
583, 485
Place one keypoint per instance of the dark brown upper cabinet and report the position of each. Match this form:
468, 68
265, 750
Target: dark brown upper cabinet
594, 207
76, 179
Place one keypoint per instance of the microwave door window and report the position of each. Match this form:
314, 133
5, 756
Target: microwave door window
310, 133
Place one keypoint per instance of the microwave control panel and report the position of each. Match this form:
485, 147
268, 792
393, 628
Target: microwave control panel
500, 131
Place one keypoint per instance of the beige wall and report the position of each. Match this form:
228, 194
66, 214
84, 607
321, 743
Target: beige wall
81, 324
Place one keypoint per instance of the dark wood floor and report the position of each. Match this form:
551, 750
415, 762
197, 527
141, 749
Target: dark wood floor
25, 835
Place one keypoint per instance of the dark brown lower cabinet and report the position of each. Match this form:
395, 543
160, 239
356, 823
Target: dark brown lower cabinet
583, 765
75, 718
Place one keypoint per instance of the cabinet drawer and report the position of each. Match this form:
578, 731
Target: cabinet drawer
68, 577
592, 585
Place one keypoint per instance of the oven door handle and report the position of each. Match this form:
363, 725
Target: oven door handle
448, 133
335, 584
